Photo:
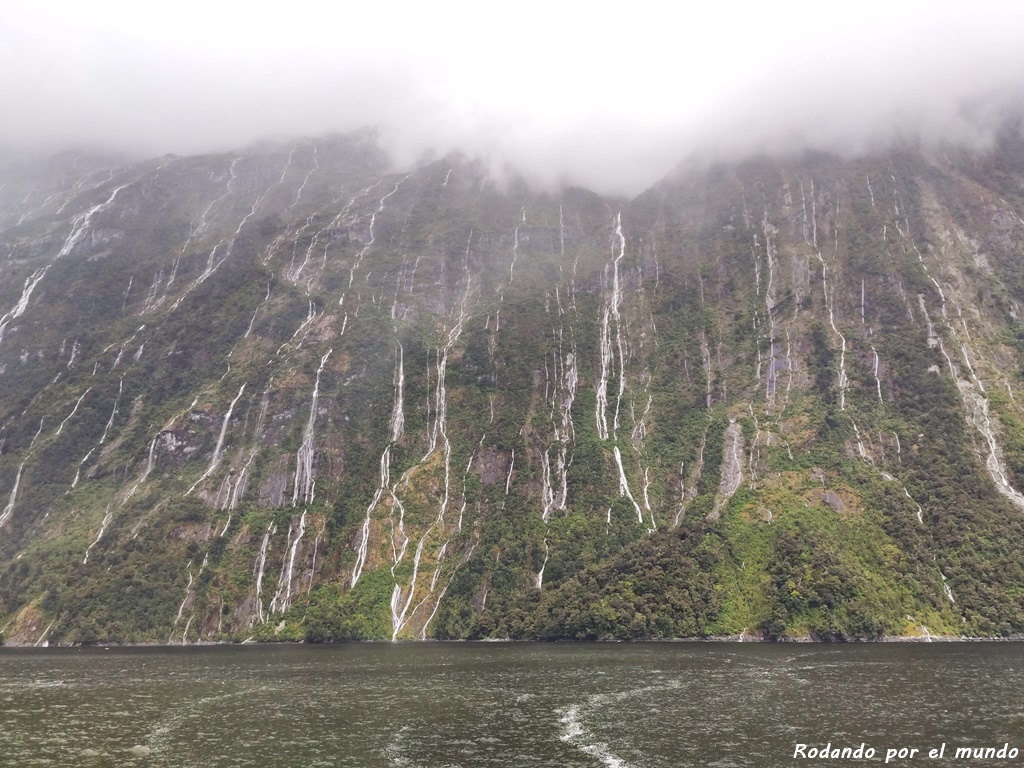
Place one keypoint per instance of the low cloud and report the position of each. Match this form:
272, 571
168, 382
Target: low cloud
611, 101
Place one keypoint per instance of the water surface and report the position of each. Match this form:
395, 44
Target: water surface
560, 706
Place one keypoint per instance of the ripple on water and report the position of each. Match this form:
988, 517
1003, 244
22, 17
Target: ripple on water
528, 706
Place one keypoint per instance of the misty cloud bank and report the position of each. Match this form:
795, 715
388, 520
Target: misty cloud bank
567, 95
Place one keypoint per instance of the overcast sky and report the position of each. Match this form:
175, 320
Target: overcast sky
605, 95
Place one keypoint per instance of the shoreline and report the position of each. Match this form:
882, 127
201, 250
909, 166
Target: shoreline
714, 639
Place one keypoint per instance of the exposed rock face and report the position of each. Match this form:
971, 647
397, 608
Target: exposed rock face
732, 468
287, 392
832, 499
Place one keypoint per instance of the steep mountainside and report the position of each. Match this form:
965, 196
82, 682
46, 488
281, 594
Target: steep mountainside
285, 393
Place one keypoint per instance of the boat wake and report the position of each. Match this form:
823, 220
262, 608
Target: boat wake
575, 732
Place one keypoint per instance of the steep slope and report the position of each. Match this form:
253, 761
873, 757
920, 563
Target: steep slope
289, 393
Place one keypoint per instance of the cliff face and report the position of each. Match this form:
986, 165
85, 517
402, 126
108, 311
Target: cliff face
287, 393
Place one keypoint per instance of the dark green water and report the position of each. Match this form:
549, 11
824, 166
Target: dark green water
510, 705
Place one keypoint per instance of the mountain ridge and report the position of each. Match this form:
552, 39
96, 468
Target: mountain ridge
289, 393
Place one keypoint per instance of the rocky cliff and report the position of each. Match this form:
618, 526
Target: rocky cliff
290, 393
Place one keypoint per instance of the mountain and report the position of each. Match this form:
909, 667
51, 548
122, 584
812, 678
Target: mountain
290, 393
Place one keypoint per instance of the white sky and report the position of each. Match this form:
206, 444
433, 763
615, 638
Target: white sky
609, 96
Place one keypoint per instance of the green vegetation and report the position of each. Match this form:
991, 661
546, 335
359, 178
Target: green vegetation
493, 506
359, 614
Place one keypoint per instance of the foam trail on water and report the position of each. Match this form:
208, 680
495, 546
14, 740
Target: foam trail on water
575, 734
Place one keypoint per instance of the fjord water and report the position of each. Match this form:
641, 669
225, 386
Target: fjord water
435, 705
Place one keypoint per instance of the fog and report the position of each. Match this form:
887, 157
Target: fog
605, 96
